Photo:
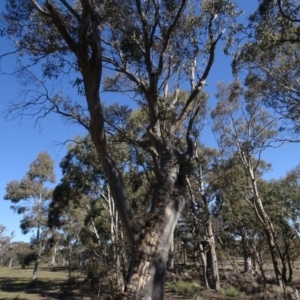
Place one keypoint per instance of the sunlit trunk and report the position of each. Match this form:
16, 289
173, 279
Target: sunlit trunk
213, 261
10, 262
36, 264
268, 227
35, 269
53, 259
148, 277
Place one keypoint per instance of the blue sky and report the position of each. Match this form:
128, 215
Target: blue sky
22, 139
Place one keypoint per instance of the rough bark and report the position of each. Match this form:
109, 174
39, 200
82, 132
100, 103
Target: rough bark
152, 250
148, 278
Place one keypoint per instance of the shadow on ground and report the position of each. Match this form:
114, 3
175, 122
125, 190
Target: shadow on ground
53, 289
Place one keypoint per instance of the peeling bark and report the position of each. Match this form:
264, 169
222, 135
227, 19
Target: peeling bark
148, 278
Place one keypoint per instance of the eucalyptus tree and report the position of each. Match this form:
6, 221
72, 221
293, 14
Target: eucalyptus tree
5, 241
30, 197
148, 48
84, 196
236, 221
282, 202
200, 181
271, 57
245, 130
15, 253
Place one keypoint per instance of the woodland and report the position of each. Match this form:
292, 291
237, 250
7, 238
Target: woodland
143, 204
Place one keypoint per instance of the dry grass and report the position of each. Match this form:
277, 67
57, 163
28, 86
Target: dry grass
53, 284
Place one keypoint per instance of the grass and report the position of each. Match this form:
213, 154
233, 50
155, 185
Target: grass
230, 292
185, 288
15, 283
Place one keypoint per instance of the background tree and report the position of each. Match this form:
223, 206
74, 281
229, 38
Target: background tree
84, 196
199, 214
237, 226
281, 200
30, 197
5, 241
271, 58
15, 253
244, 130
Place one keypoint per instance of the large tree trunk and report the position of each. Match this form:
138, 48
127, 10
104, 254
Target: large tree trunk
148, 278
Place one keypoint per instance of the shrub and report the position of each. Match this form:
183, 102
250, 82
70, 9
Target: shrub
231, 292
26, 259
185, 288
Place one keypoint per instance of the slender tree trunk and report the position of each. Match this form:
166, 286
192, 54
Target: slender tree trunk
246, 255
35, 269
215, 280
274, 255
284, 270
291, 273
204, 264
268, 226
10, 262
36, 264
184, 258
260, 264
53, 259
170, 263
248, 263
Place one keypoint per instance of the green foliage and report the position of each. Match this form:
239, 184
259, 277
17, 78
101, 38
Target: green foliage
230, 292
25, 259
185, 288
30, 196
270, 58
41, 169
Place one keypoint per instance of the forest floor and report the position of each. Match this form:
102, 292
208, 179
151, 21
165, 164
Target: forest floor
53, 284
